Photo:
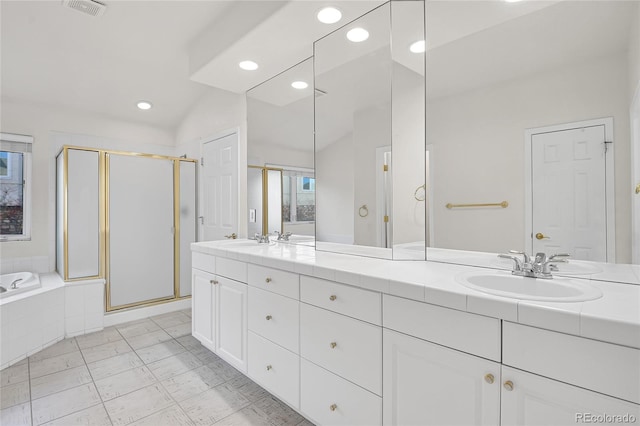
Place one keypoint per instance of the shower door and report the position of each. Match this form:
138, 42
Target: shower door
140, 223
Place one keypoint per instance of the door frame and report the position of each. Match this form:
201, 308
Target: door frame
212, 138
634, 113
607, 122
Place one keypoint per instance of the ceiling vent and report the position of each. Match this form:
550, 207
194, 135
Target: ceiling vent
89, 7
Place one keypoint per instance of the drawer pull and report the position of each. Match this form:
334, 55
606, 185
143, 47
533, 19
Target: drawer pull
508, 385
268, 317
213, 282
269, 367
489, 378
333, 407
333, 297
333, 345
267, 280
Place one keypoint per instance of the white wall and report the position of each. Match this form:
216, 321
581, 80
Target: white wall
634, 54
478, 149
261, 153
45, 123
335, 192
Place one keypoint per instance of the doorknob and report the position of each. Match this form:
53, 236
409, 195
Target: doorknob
232, 236
638, 188
541, 236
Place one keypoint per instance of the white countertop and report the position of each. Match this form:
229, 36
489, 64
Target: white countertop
615, 317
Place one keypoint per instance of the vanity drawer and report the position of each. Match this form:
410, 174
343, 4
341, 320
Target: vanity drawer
281, 282
471, 333
275, 368
351, 301
230, 268
328, 399
348, 347
603, 367
274, 317
204, 262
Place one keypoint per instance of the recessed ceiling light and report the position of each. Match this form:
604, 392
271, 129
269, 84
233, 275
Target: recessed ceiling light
299, 85
144, 105
357, 35
512, 1
418, 47
248, 65
329, 15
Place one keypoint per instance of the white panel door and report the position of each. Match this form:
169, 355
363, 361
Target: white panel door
140, 214
568, 193
231, 322
187, 223
427, 384
220, 187
535, 400
83, 214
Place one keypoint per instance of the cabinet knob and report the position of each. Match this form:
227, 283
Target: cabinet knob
489, 378
333, 345
333, 407
268, 317
267, 280
508, 385
333, 297
213, 282
269, 367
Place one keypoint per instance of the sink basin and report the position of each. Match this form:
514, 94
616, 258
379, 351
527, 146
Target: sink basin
502, 283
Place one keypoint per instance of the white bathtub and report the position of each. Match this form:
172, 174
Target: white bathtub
25, 281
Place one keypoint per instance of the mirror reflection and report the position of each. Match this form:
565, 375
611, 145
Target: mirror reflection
281, 176
369, 134
528, 129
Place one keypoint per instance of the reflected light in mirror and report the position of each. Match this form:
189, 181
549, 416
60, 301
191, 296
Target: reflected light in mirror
418, 47
357, 35
248, 65
329, 15
299, 85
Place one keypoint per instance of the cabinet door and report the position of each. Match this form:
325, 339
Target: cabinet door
536, 400
231, 322
428, 384
202, 307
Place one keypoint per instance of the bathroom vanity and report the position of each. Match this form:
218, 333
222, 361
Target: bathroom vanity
353, 340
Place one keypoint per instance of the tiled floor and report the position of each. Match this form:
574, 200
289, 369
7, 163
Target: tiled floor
147, 372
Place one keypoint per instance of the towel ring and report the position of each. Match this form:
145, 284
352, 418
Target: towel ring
415, 194
363, 211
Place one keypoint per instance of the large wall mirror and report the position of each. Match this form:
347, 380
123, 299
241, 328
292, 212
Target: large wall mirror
281, 177
369, 134
528, 128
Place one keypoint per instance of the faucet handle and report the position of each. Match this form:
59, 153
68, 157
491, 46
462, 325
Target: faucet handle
559, 257
517, 267
527, 259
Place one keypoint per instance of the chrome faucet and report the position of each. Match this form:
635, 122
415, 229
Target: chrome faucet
262, 239
282, 236
540, 267
14, 283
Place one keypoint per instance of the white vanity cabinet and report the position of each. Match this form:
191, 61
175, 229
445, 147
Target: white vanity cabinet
219, 304
428, 383
341, 353
530, 399
274, 331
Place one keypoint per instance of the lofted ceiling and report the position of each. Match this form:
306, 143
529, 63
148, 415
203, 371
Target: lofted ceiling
172, 52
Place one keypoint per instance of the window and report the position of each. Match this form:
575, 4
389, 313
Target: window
298, 196
15, 175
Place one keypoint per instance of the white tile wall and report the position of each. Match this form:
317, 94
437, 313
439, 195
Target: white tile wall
28, 325
39, 264
84, 307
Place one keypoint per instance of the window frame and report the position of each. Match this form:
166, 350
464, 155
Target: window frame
10, 139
